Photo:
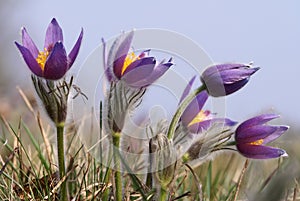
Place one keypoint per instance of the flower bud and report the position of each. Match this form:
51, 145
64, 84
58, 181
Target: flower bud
225, 79
164, 159
54, 96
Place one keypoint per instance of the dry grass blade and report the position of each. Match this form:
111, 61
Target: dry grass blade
85, 173
94, 194
7, 125
45, 139
39, 121
57, 183
183, 179
186, 194
197, 181
295, 191
240, 180
27, 102
9, 159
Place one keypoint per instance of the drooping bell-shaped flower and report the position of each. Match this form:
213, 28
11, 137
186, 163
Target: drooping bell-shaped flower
135, 70
52, 62
252, 135
227, 78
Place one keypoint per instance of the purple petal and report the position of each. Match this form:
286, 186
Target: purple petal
140, 62
259, 151
30, 60
227, 66
194, 108
254, 133
53, 34
157, 72
121, 54
229, 122
138, 70
231, 88
215, 88
74, 52
187, 89
107, 70
205, 125
229, 76
279, 131
109, 74
29, 44
235, 75
258, 120
200, 126
109, 63
218, 68
57, 63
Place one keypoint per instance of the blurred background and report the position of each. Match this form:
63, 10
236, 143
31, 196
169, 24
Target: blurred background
265, 32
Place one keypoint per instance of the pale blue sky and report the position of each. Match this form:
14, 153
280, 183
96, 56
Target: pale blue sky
266, 32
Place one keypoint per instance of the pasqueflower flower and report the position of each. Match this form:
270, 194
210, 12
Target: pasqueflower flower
52, 62
196, 119
225, 79
252, 135
135, 70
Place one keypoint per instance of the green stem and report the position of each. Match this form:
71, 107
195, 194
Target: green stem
228, 144
117, 164
163, 194
61, 160
181, 109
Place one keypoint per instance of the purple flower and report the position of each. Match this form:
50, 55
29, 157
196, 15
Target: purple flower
225, 79
135, 70
53, 62
196, 119
252, 135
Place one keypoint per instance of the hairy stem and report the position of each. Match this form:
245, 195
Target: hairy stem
117, 165
61, 160
163, 194
181, 109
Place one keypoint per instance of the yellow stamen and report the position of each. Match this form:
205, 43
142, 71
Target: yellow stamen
42, 57
257, 142
131, 57
201, 116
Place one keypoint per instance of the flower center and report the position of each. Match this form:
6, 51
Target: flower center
42, 57
201, 116
130, 58
257, 142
